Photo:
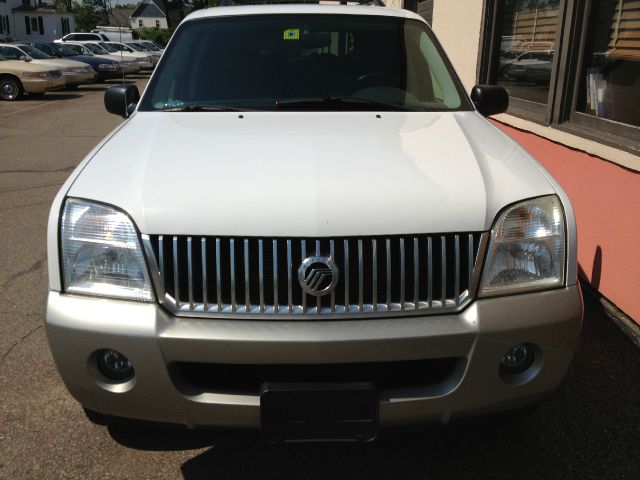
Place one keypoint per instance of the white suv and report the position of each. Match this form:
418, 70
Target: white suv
306, 226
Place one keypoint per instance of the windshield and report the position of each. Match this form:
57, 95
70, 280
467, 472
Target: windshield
34, 52
64, 50
78, 49
109, 48
150, 46
138, 46
303, 62
94, 48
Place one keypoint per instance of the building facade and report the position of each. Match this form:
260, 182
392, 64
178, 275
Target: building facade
33, 20
148, 15
572, 70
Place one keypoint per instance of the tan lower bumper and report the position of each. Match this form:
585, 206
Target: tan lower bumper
479, 336
41, 86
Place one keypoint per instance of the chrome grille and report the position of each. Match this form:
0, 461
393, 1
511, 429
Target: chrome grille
403, 274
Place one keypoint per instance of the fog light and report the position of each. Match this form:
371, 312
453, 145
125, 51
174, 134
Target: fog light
112, 364
517, 359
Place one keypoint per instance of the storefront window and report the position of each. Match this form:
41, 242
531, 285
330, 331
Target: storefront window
527, 47
610, 87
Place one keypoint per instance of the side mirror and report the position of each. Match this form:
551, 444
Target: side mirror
25, 58
490, 99
121, 99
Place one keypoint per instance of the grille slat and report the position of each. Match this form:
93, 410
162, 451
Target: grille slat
232, 271
412, 274
218, 276
176, 281
205, 289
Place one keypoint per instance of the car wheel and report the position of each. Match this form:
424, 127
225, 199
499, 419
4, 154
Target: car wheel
10, 88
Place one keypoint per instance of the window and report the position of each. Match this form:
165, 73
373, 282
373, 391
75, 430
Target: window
34, 25
610, 86
157, 23
27, 25
140, 24
527, 46
305, 62
10, 53
65, 26
571, 64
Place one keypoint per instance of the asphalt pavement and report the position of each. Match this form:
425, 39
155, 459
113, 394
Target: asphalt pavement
589, 430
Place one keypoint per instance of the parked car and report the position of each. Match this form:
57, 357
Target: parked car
531, 66
75, 73
129, 65
146, 60
139, 46
116, 34
83, 37
104, 68
152, 46
154, 55
18, 77
305, 225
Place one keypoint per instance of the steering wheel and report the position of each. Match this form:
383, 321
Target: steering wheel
389, 78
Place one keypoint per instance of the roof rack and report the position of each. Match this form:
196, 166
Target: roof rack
230, 3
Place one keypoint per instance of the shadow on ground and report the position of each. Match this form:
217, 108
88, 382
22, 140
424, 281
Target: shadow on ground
590, 429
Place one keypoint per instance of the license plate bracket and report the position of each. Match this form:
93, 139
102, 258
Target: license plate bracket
299, 412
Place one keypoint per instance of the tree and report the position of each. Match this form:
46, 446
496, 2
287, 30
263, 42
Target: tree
85, 17
101, 9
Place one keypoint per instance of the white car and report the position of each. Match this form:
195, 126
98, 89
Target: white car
129, 65
305, 225
145, 48
83, 37
146, 59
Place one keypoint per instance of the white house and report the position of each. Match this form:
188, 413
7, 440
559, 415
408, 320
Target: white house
148, 15
34, 20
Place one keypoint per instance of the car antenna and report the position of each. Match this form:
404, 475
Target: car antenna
117, 22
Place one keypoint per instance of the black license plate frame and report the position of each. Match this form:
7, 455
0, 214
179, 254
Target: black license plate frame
307, 412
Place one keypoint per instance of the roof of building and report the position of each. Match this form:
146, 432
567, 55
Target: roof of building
147, 9
119, 17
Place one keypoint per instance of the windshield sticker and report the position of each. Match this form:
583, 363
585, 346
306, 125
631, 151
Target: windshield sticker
292, 34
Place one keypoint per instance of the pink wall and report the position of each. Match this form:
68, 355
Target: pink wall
606, 200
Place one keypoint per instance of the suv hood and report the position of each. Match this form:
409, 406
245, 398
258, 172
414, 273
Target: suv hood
310, 173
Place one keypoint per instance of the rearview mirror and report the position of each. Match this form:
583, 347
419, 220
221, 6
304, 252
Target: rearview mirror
490, 99
25, 58
121, 99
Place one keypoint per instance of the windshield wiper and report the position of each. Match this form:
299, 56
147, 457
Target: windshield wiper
339, 102
204, 108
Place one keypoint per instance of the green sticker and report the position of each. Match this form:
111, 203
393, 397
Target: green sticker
292, 34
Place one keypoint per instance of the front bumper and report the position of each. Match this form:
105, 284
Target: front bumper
74, 78
79, 326
42, 86
146, 65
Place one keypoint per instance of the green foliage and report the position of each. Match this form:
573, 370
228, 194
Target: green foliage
86, 18
90, 13
160, 35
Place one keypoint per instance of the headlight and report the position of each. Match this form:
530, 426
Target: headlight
37, 74
526, 249
108, 66
101, 253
